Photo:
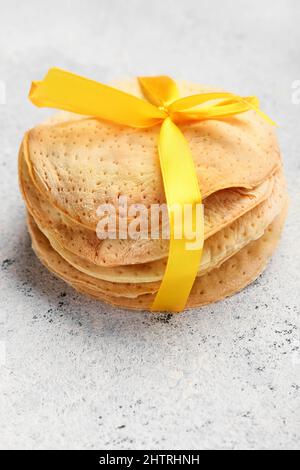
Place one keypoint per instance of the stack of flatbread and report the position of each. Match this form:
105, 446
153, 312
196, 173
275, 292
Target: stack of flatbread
71, 165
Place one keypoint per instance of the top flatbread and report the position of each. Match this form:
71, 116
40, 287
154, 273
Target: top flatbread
80, 163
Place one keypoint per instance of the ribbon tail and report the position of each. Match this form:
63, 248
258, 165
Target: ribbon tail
186, 108
186, 219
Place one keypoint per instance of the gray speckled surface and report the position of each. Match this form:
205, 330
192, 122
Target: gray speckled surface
75, 373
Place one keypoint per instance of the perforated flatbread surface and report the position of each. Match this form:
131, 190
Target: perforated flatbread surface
220, 209
56, 264
80, 163
217, 248
233, 275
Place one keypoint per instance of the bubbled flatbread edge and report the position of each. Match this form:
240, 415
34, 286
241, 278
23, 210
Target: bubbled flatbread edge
93, 250
217, 248
58, 266
232, 276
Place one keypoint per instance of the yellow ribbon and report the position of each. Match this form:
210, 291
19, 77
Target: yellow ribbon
64, 90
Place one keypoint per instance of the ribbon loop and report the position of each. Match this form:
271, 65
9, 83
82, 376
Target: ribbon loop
219, 105
160, 91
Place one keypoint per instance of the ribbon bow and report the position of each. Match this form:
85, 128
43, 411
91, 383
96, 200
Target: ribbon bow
64, 90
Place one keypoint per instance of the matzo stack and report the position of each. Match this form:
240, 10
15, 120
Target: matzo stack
71, 164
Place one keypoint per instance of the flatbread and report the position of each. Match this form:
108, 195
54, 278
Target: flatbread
233, 275
81, 163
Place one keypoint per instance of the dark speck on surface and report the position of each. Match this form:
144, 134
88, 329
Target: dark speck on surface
7, 263
164, 318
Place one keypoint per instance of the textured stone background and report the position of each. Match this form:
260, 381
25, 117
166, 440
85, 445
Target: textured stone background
75, 373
